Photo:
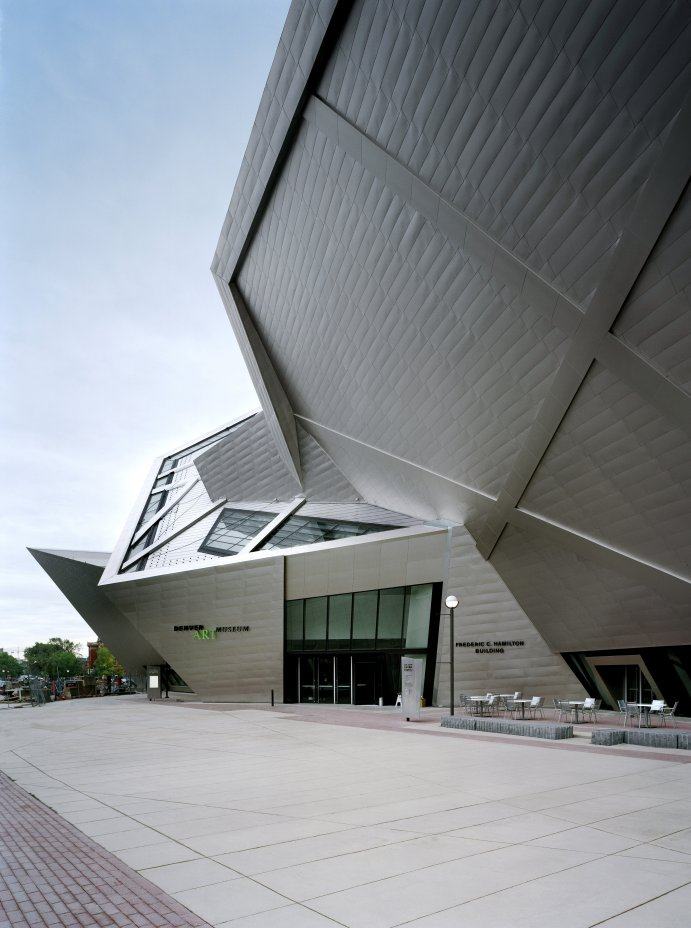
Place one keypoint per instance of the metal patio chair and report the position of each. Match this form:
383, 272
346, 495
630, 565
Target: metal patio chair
589, 707
536, 706
464, 703
657, 707
628, 710
669, 712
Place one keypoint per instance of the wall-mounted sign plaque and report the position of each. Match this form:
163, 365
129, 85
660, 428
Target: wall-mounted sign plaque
208, 634
490, 647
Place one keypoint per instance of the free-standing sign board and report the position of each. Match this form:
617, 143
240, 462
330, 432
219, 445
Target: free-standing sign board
412, 675
153, 682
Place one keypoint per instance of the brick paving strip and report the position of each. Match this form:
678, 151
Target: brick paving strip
53, 875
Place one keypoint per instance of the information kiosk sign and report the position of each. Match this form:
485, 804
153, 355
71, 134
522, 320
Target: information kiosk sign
412, 676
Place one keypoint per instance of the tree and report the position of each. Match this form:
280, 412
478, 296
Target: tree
9, 666
106, 664
56, 657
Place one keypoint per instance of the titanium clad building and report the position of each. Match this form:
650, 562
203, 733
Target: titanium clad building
457, 262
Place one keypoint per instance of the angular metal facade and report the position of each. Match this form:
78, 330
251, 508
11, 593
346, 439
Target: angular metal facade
456, 260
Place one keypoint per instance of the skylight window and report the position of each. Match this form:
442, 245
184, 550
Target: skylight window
233, 529
302, 530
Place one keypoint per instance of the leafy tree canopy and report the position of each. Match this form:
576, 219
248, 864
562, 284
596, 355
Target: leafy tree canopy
9, 666
56, 657
106, 664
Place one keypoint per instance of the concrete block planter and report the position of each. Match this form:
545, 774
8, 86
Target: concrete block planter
551, 730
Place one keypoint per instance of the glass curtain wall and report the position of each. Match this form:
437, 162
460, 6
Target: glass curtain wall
347, 647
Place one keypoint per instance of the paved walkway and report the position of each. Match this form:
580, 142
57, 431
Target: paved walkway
261, 819
52, 875
388, 718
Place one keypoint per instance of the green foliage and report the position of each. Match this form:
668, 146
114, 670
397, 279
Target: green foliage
56, 657
106, 664
9, 666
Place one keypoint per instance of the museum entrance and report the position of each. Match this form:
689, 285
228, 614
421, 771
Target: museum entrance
347, 679
626, 681
366, 677
637, 677
346, 649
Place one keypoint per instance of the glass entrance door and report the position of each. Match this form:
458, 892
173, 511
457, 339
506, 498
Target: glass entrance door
365, 681
326, 679
344, 689
627, 682
317, 679
308, 679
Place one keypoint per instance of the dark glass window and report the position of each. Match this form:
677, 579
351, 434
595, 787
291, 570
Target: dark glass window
365, 619
294, 627
339, 621
396, 617
417, 615
303, 530
232, 530
315, 623
390, 624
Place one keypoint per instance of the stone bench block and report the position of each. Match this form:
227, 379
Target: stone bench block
551, 730
456, 721
642, 736
608, 737
652, 739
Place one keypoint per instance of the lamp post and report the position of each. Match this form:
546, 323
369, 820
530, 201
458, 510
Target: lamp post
451, 603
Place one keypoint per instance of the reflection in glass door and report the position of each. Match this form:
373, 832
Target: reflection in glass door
308, 679
344, 690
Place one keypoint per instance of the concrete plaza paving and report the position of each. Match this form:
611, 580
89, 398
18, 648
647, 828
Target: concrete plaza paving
260, 818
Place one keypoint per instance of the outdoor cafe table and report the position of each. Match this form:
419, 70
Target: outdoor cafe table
644, 710
522, 703
480, 702
575, 706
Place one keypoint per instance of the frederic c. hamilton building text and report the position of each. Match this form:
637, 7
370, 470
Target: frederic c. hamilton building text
490, 647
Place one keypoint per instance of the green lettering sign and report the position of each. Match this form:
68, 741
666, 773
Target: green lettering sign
205, 633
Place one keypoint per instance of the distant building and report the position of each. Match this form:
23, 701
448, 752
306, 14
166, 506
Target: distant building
92, 654
457, 263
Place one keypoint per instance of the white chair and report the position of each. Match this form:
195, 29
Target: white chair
536, 704
656, 708
669, 713
589, 706
494, 705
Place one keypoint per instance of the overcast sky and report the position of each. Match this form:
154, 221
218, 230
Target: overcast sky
123, 126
